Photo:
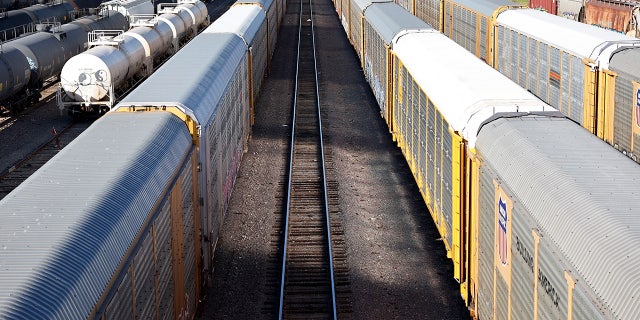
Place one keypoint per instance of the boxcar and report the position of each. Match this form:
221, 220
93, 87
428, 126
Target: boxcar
107, 227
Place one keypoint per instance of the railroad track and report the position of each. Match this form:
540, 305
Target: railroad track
313, 280
19, 172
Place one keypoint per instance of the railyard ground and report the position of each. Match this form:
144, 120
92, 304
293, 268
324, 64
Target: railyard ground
398, 265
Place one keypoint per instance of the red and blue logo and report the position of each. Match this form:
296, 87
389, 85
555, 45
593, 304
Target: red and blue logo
638, 108
503, 240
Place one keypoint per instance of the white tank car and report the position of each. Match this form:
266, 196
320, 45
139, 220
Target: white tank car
90, 78
130, 7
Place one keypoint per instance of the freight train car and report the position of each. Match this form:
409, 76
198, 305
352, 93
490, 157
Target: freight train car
563, 62
90, 81
28, 62
527, 203
16, 22
133, 207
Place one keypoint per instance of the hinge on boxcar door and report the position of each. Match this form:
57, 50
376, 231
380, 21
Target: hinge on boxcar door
201, 200
199, 167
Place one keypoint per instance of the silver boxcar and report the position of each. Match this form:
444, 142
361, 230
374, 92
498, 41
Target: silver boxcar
214, 98
250, 23
98, 220
382, 23
625, 116
565, 236
272, 9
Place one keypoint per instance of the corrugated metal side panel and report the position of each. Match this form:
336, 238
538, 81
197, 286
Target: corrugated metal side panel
405, 4
189, 239
608, 15
583, 306
555, 77
501, 47
484, 27
375, 63
431, 151
623, 113
225, 142
486, 234
502, 299
356, 28
415, 138
522, 250
429, 12
522, 60
513, 63
422, 140
552, 286
597, 199
464, 26
103, 187
274, 23
144, 279
447, 181
164, 266
486, 7
543, 74
576, 99
533, 67
345, 6
121, 305
260, 56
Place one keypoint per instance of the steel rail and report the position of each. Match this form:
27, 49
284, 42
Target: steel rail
291, 164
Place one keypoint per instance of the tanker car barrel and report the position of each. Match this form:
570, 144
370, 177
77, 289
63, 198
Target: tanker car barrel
90, 79
27, 62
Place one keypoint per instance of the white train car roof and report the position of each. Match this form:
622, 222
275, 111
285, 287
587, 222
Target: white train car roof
593, 193
266, 4
194, 79
67, 227
389, 19
485, 7
466, 90
580, 39
244, 21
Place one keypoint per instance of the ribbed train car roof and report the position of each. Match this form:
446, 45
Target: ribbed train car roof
568, 35
266, 4
485, 7
627, 61
583, 195
66, 228
466, 90
388, 19
210, 57
240, 20
364, 4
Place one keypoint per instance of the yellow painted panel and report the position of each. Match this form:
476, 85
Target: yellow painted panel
589, 113
190, 123
472, 218
457, 174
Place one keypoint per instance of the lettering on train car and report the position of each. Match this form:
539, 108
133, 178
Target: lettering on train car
548, 287
503, 244
524, 253
637, 122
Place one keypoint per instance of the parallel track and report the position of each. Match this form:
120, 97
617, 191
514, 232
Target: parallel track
19, 172
307, 285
